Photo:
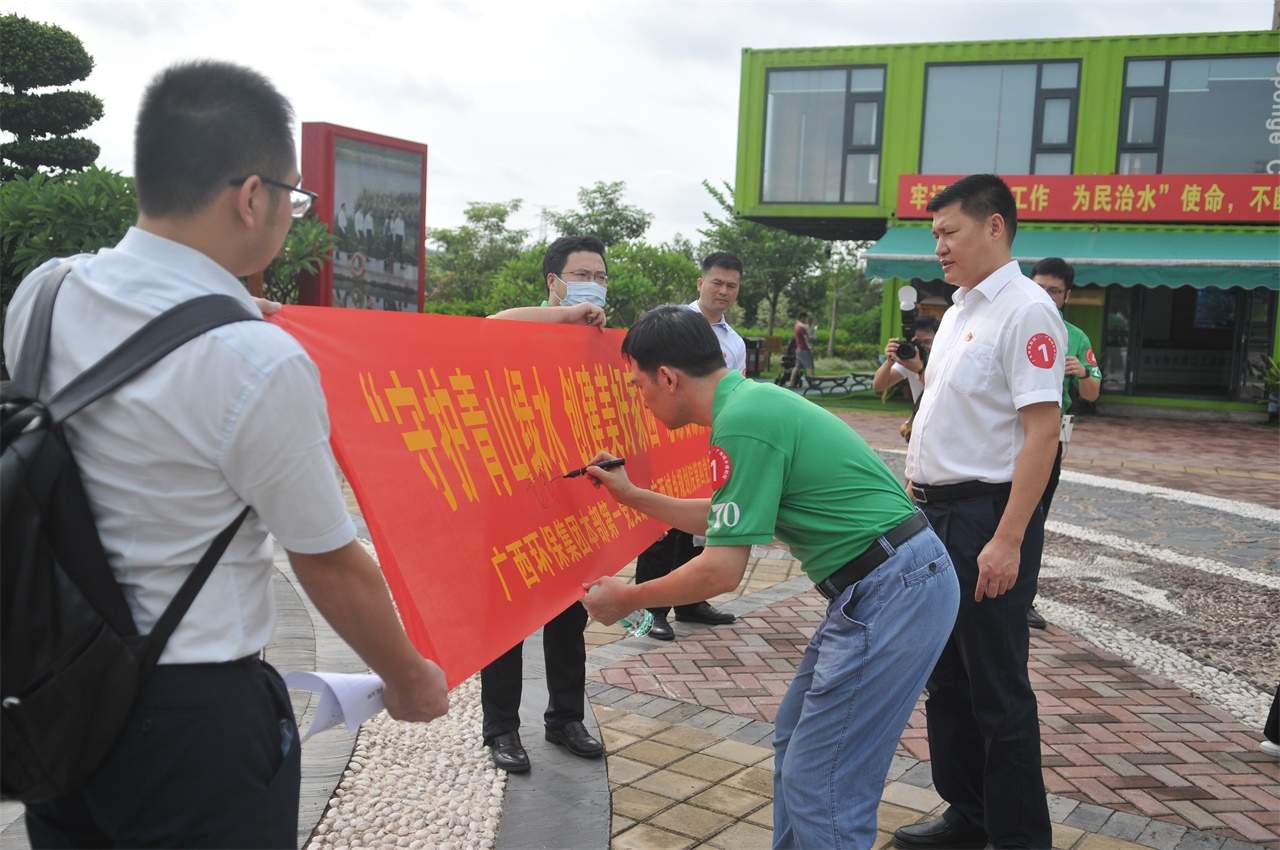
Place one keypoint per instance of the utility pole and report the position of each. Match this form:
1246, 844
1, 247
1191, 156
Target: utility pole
542, 218
835, 294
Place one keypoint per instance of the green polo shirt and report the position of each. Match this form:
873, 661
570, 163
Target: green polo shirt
1078, 347
796, 473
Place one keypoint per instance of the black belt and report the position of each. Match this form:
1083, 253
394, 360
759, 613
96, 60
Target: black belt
928, 494
875, 555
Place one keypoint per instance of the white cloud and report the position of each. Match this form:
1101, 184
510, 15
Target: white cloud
533, 100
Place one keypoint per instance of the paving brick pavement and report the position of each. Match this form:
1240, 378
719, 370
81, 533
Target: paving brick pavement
675, 783
1225, 459
1118, 743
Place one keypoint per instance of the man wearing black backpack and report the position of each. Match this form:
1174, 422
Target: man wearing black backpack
209, 754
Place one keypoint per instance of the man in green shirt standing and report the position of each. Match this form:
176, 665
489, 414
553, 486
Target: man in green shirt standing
782, 467
1056, 277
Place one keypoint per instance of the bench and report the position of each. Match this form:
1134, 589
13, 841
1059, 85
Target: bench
830, 384
827, 384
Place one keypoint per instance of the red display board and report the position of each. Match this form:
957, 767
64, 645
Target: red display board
455, 434
1206, 198
373, 195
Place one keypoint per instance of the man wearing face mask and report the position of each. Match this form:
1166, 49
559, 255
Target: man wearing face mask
577, 282
576, 277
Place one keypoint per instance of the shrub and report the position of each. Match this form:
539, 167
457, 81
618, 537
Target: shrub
306, 248
42, 217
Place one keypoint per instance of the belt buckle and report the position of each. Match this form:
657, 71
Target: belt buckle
918, 495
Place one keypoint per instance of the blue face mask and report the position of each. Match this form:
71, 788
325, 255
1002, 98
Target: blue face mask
587, 292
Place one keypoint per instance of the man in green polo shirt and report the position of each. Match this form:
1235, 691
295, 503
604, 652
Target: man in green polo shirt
1056, 277
784, 468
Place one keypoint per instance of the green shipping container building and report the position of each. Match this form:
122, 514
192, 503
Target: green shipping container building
1151, 163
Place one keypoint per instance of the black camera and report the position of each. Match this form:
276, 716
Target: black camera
906, 349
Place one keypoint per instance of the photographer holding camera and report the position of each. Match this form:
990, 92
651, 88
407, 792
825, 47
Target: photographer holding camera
905, 360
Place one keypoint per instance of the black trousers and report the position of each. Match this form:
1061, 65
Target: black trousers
674, 549
209, 758
1272, 730
1052, 487
984, 732
565, 650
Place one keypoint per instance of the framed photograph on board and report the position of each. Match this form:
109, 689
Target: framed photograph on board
373, 195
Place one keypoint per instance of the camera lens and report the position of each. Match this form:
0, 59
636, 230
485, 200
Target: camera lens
906, 350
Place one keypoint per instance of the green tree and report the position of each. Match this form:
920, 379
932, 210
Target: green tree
465, 259
602, 213
776, 262
847, 291
642, 276
37, 56
519, 283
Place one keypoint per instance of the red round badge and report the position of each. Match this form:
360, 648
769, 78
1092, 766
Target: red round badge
1042, 351
721, 467
1088, 355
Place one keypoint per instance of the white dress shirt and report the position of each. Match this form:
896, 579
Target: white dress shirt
235, 417
1001, 348
734, 349
913, 379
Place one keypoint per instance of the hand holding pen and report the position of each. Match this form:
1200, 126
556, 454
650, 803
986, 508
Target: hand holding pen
609, 470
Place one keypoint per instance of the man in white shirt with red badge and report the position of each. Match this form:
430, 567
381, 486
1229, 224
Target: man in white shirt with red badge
981, 449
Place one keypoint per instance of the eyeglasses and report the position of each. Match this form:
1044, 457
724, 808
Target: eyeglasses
299, 199
1054, 290
582, 276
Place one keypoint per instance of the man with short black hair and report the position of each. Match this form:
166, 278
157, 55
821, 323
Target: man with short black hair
209, 756
1082, 377
577, 280
576, 276
895, 369
718, 287
977, 462
784, 467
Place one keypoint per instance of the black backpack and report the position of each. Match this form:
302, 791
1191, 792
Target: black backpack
73, 660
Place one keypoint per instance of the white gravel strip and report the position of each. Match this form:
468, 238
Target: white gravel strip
1248, 510
418, 786
1124, 544
1222, 689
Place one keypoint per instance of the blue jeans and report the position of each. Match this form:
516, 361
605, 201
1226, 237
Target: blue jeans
840, 721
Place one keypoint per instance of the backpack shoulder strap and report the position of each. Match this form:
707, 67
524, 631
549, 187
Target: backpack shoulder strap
149, 344
186, 594
28, 373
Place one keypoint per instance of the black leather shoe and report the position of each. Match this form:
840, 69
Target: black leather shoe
661, 629
939, 833
573, 737
1035, 619
704, 613
508, 753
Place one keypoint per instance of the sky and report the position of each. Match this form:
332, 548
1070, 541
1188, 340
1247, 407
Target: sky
533, 100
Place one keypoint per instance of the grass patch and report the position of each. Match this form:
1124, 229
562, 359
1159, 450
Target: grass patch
865, 401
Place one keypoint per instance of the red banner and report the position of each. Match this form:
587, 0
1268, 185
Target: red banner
1221, 198
454, 434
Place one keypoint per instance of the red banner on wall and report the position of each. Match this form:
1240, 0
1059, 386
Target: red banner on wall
454, 434
1222, 198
